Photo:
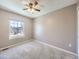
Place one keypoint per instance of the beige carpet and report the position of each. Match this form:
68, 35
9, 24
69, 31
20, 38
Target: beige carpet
34, 50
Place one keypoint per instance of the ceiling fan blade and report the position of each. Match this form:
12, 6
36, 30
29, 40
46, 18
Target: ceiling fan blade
26, 5
30, 4
37, 10
25, 9
36, 3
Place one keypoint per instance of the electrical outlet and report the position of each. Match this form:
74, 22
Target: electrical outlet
70, 45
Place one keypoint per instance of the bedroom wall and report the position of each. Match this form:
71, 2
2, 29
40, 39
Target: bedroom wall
78, 32
78, 3
5, 17
78, 26
58, 28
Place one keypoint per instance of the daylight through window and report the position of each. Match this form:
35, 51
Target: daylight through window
16, 29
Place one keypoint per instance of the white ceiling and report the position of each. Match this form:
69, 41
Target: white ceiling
46, 6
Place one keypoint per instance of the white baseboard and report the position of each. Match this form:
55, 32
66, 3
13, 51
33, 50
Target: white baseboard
60, 49
15, 45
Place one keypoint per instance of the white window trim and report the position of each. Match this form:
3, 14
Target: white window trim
16, 36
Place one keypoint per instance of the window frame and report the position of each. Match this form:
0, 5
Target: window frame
14, 36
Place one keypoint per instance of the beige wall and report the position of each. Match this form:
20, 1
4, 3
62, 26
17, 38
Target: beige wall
5, 17
78, 26
78, 32
58, 28
78, 3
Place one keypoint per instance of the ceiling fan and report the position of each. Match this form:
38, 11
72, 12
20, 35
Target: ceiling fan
32, 6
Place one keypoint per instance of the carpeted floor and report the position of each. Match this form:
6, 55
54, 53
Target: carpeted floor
33, 50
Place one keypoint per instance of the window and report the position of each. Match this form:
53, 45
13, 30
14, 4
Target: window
16, 29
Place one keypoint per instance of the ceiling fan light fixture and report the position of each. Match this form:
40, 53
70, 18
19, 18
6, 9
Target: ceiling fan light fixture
31, 10
32, 6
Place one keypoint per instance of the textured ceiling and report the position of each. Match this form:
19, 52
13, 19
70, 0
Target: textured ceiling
46, 6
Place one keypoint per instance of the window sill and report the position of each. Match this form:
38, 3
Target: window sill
16, 36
